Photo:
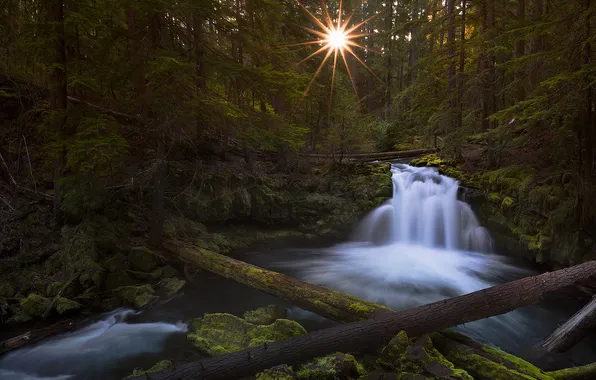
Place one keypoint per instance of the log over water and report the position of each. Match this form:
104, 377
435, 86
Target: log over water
372, 334
572, 331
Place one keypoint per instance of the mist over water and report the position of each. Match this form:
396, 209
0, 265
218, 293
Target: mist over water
90, 352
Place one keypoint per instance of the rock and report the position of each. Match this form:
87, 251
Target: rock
380, 375
266, 315
35, 305
331, 367
91, 273
118, 279
137, 296
116, 262
111, 303
160, 366
280, 372
54, 288
152, 276
281, 329
18, 315
171, 285
64, 305
6, 290
169, 271
4, 310
217, 334
143, 259
419, 357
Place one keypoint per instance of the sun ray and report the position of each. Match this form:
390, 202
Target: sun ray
313, 54
326, 13
349, 49
320, 34
333, 77
352, 43
343, 55
360, 24
312, 16
316, 73
306, 43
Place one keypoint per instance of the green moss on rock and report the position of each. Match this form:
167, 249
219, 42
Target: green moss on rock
281, 329
143, 276
266, 315
54, 288
171, 286
116, 262
35, 305
6, 290
137, 296
64, 306
331, 367
160, 366
281, 372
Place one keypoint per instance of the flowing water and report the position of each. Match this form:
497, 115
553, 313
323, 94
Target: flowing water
421, 246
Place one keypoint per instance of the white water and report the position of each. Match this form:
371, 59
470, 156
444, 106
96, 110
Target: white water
88, 352
423, 245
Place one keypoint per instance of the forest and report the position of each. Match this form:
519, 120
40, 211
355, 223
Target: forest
159, 154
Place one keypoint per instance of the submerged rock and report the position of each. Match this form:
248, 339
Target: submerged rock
266, 315
332, 367
217, 334
281, 372
419, 357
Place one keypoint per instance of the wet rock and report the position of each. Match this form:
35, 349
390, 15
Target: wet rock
171, 286
420, 357
143, 259
380, 375
217, 334
6, 290
92, 274
54, 288
116, 263
35, 305
152, 276
137, 296
117, 279
160, 366
169, 271
281, 372
266, 315
332, 367
111, 303
64, 306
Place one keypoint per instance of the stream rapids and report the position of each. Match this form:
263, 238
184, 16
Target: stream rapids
421, 246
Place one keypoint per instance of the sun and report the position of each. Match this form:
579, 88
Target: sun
336, 39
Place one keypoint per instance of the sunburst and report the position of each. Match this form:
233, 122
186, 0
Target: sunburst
336, 39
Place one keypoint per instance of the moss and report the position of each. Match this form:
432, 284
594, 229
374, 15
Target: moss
587, 371
6, 290
266, 315
331, 367
92, 274
118, 279
217, 334
171, 285
64, 305
54, 288
116, 262
160, 366
35, 305
169, 271
282, 372
281, 329
137, 296
151, 276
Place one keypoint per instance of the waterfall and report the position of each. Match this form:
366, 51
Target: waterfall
424, 211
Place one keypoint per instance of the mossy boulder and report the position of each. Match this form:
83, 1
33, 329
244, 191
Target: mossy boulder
35, 305
137, 296
220, 333
266, 315
160, 366
171, 286
280, 372
143, 259
6, 290
484, 362
143, 276
118, 279
403, 355
54, 288
92, 274
64, 306
169, 271
116, 263
331, 367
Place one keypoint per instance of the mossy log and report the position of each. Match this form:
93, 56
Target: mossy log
572, 331
373, 333
318, 299
34, 336
584, 372
375, 155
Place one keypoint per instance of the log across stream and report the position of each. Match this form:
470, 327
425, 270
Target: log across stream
401, 267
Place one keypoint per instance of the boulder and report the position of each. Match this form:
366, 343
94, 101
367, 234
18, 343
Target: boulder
281, 329
160, 366
137, 296
143, 259
116, 262
35, 305
54, 288
266, 315
281, 372
6, 290
151, 276
331, 367
169, 271
171, 286
118, 279
64, 306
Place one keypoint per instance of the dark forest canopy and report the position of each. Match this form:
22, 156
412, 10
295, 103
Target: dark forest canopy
515, 78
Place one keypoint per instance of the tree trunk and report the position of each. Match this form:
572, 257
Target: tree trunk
462, 65
35, 336
135, 38
58, 102
369, 335
572, 331
389, 27
318, 299
451, 46
520, 49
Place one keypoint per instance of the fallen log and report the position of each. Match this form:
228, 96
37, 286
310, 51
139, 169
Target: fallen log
572, 331
34, 336
373, 333
373, 155
318, 299
576, 373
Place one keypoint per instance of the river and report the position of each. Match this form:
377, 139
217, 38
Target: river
423, 245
